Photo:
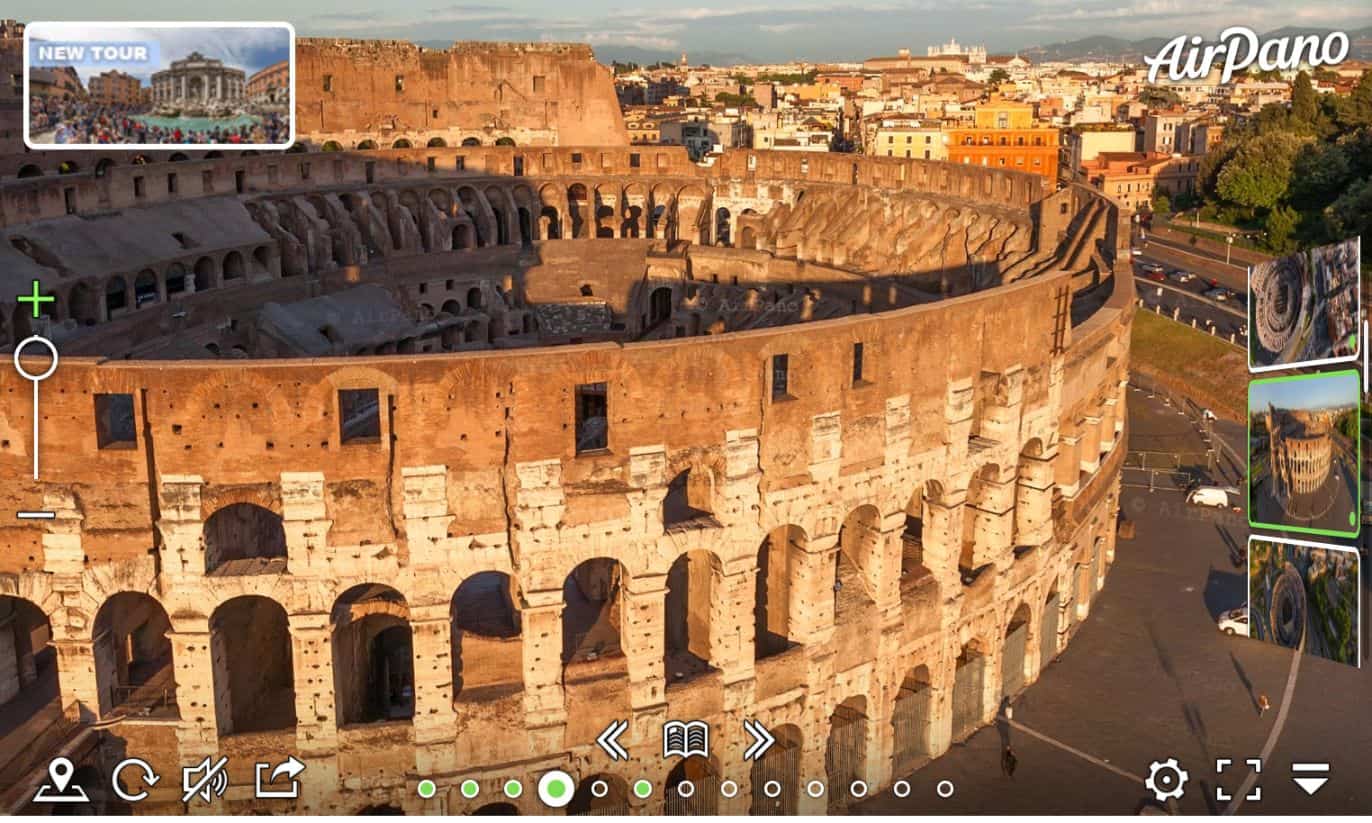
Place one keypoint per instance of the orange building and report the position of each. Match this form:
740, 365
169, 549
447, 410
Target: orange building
116, 88
1006, 136
271, 85
1134, 177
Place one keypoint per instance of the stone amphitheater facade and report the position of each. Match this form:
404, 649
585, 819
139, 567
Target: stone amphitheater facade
863, 545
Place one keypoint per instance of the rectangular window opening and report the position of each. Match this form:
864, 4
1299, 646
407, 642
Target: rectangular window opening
781, 376
857, 364
114, 422
359, 416
592, 422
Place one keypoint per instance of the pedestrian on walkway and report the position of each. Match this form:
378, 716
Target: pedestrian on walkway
1008, 761
1263, 704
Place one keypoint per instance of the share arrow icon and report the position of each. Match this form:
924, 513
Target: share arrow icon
1311, 777
762, 740
609, 740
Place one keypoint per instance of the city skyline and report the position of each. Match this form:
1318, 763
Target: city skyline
779, 31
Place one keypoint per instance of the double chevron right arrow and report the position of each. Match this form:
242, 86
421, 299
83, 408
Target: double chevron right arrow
762, 740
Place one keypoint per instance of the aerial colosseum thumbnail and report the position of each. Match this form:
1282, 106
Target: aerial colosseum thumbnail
439, 443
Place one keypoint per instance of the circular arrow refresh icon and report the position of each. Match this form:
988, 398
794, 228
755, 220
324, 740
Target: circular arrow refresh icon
150, 777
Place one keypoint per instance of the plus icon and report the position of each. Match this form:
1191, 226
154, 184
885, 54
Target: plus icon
36, 298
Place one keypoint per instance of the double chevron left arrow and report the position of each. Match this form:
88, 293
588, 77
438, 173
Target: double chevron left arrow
609, 740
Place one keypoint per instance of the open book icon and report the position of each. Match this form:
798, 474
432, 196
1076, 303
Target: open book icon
685, 739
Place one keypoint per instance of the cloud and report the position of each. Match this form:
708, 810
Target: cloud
783, 28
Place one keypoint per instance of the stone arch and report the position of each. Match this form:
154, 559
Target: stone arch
83, 304
723, 219
262, 257
486, 653
145, 290
174, 279
779, 767
116, 295
177, 157
593, 611
471, 141
500, 209
331, 145
437, 143
615, 799
30, 170
504, 141
103, 166
133, 656
703, 797
464, 237
233, 267
845, 750
501, 808
969, 688
689, 501
402, 143
578, 206
244, 538
474, 300
28, 659
1014, 657
366, 145
693, 584
206, 276
253, 671
68, 167
859, 544
1048, 627
912, 721
747, 238
373, 658
659, 306
777, 564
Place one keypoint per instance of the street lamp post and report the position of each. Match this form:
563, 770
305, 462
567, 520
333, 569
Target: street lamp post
1228, 246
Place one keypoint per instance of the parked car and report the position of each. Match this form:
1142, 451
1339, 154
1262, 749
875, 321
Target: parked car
1234, 622
1151, 267
1217, 294
1156, 275
1209, 496
1182, 276
1243, 329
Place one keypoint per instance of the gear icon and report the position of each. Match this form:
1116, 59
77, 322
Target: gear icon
1166, 779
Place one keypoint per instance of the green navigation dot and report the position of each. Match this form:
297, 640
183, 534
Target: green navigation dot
427, 789
557, 788
513, 789
470, 788
642, 788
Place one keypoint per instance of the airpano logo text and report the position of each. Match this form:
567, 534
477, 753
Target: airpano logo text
1240, 47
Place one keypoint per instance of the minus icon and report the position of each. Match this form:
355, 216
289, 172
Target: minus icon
37, 515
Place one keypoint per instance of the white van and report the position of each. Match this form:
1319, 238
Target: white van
1209, 496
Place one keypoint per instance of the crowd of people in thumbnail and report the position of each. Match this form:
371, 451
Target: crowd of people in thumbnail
79, 122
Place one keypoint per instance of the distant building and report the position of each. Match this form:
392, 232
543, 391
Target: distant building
909, 137
1199, 136
974, 54
1087, 142
271, 85
1133, 178
116, 88
1160, 130
1006, 136
61, 82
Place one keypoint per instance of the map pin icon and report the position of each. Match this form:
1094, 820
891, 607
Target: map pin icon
60, 770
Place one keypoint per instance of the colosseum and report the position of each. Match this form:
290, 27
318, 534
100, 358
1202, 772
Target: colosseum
434, 462
1300, 448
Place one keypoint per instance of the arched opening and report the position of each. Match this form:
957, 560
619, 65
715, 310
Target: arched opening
604, 219
204, 274
331, 145
451, 307
502, 228
772, 602
233, 266
703, 795
497, 809
474, 298
145, 288
526, 228
244, 538
504, 141
140, 160
175, 279
133, 657
969, 690
550, 225
910, 722
659, 305
592, 612
471, 141
576, 209
747, 238
1013, 658
402, 143
84, 304
689, 500
367, 145
845, 752
1048, 629
262, 256
178, 157
28, 663
913, 572
487, 659
103, 166
30, 170
691, 583
373, 661
859, 541
437, 143
600, 794
775, 777
463, 237
116, 296
68, 167
722, 221
254, 676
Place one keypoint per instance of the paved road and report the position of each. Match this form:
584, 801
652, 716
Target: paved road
1233, 275
1149, 677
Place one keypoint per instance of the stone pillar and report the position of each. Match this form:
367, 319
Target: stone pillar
812, 767
1034, 501
425, 510
183, 530
1067, 467
1001, 419
941, 675
1109, 414
993, 517
643, 632
435, 719
1089, 448
826, 446
812, 590
316, 721
942, 540
197, 733
304, 520
733, 628
544, 701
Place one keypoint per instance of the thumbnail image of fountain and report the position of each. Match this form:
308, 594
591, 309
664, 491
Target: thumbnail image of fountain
1304, 307
1303, 453
1305, 597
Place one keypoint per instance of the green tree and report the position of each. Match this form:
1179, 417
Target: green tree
1259, 173
998, 75
1356, 112
1161, 204
1158, 97
1304, 106
1351, 214
1281, 225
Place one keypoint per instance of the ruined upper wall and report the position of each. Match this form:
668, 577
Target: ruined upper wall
495, 87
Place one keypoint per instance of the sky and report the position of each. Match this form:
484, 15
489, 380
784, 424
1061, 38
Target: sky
1322, 392
766, 31
247, 48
